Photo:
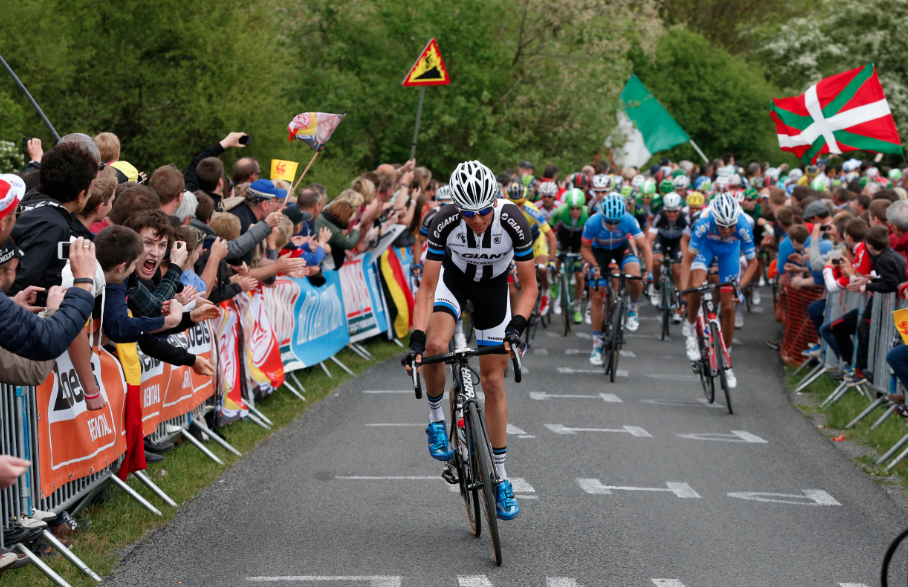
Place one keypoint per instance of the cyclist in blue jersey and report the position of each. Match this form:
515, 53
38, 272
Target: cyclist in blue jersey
724, 234
606, 239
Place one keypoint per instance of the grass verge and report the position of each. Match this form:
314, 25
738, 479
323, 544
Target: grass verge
833, 419
121, 522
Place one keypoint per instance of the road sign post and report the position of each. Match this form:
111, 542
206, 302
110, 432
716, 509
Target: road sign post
429, 70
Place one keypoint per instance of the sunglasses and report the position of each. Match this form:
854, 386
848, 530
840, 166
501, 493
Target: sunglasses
471, 214
575, 207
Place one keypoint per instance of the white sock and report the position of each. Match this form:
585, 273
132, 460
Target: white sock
436, 413
498, 456
597, 339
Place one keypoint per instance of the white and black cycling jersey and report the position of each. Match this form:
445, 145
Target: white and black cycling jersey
667, 229
484, 256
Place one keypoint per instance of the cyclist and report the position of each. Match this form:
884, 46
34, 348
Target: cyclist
723, 233
664, 237
471, 246
548, 190
601, 186
646, 196
681, 184
695, 203
630, 201
543, 242
568, 222
606, 239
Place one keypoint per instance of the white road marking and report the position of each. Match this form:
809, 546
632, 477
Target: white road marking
574, 351
736, 341
539, 351
607, 397
809, 497
520, 485
515, 430
674, 377
690, 403
473, 581
595, 487
388, 477
584, 335
379, 425
735, 436
627, 354
387, 391
849, 584
667, 583
373, 580
553, 335
632, 430
760, 310
570, 370
560, 582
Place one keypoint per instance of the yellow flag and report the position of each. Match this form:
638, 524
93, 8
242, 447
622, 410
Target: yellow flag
285, 170
900, 317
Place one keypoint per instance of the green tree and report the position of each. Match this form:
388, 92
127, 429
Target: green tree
843, 35
718, 98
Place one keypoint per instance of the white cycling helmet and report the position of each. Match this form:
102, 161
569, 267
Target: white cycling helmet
671, 202
473, 186
443, 194
548, 188
794, 175
721, 184
725, 210
682, 182
637, 182
602, 182
734, 180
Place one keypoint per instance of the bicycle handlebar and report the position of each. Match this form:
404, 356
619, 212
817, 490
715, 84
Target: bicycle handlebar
708, 287
462, 354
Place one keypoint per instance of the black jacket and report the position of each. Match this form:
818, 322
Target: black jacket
38, 339
191, 179
223, 290
890, 267
44, 223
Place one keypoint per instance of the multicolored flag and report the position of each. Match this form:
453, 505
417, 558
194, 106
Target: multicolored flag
842, 113
314, 128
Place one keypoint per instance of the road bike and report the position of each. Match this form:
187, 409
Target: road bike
668, 298
616, 303
472, 467
714, 360
895, 568
567, 261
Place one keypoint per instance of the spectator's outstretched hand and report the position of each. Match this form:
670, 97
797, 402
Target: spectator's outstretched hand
274, 219
324, 235
240, 269
26, 298
174, 311
233, 140
288, 265
206, 312
219, 248
82, 261
35, 150
186, 296
179, 254
202, 367
11, 468
96, 403
55, 297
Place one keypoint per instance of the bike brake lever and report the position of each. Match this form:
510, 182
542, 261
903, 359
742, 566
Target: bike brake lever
417, 388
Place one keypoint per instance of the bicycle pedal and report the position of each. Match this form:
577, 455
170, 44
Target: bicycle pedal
450, 475
695, 367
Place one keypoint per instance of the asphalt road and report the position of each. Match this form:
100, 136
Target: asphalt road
646, 486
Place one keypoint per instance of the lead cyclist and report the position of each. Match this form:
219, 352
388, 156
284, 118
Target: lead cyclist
471, 245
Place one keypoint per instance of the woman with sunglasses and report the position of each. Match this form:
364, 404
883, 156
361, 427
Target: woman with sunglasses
471, 246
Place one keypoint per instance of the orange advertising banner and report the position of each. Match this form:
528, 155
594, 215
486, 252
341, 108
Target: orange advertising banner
73, 441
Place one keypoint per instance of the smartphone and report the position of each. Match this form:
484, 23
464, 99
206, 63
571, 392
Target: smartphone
41, 299
25, 141
825, 228
63, 250
246, 140
838, 261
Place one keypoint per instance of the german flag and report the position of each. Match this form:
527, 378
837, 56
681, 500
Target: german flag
397, 292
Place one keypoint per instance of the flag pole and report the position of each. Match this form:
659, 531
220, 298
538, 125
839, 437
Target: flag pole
422, 94
296, 183
696, 148
30, 99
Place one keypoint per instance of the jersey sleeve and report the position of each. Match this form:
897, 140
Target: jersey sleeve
653, 226
746, 236
426, 224
698, 234
633, 227
518, 228
535, 217
443, 223
589, 230
862, 262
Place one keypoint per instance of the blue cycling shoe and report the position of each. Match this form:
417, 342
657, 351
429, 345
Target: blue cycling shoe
439, 447
505, 503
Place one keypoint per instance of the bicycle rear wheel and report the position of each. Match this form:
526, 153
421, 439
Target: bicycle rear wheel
720, 369
565, 302
704, 369
466, 474
482, 465
666, 308
615, 340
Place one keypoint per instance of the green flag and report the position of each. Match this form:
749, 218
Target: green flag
647, 126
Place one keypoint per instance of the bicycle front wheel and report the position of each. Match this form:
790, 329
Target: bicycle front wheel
720, 369
666, 308
466, 474
895, 570
565, 302
706, 377
615, 341
482, 466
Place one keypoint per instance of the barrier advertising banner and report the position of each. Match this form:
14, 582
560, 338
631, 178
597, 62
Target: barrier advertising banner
363, 299
186, 389
261, 354
229, 369
73, 441
320, 328
280, 301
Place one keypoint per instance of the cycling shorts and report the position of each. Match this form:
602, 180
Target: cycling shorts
540, 247
491, 303
727, 256
668, 247
569, 243
621, 255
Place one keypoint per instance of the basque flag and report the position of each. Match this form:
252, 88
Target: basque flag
845, 112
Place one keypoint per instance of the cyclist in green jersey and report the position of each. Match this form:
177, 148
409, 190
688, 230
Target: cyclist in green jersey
568, 221
648, 198
630, 200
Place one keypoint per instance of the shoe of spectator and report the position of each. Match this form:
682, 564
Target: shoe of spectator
849, 373
32, 523
22, 560
151, 457
16, 533
158, 447
897, 399
857, 378
7, 560
48, 517
774, 344
42, 550
172, 429
838, 375
814, 350
460, 341
69, 526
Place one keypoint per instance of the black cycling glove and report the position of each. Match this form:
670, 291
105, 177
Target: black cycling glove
417, 347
